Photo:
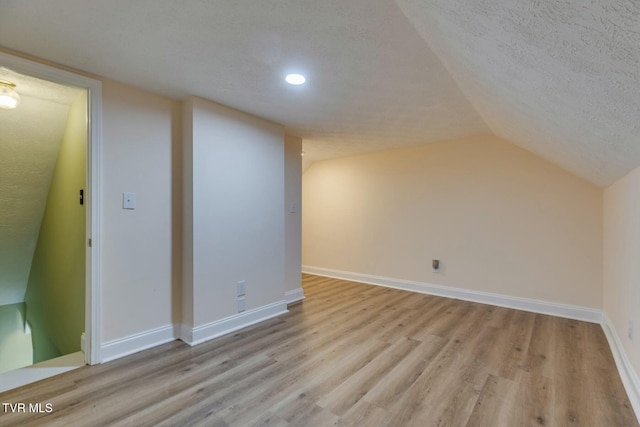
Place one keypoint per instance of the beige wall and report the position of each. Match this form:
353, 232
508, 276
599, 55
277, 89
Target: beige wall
140, 276
500, 219
622, 260
235, 163
55, 297
293, 220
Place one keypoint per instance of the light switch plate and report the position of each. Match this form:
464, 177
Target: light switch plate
128, 200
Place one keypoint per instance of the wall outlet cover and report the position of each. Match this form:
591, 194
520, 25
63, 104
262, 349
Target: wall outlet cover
128, 200
241, 288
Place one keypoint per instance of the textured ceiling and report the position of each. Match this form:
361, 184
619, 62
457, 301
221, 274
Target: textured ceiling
372, 81
559, 78
30, 137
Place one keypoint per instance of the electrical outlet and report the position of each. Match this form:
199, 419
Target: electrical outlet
242, 305
128, 200
241, 288
630, 329
435, 265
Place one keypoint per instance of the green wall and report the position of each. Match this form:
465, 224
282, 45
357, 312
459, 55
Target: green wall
15, 342
55, 296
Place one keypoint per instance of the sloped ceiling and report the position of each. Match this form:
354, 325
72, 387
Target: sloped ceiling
30, 138
559, 78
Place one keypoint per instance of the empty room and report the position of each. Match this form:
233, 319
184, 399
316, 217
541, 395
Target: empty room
297, 213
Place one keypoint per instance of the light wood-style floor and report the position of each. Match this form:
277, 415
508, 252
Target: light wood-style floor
354, 355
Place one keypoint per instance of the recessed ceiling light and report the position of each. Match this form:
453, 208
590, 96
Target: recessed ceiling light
9, 98
295, 79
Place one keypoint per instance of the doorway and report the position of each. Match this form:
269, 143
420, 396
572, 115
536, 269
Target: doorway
48, 263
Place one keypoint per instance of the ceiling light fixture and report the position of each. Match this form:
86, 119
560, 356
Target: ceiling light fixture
9, 98
295, 79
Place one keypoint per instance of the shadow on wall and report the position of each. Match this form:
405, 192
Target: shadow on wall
56, 290
16, 349
21, 344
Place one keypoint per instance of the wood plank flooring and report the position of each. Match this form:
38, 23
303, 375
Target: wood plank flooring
354, 355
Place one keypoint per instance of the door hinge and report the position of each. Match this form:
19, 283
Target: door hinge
90, 243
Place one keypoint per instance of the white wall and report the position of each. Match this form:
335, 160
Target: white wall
140, 131
293, 223
237, 164
500, 219
238, 215
622, 261
186, 262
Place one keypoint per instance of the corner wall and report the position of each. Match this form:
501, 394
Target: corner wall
500, 219
293, 218
622, 277
233, 218
55, 297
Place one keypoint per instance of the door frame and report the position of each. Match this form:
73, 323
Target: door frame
93, 318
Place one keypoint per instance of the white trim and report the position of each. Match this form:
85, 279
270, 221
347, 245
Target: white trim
93, 313
135, 343
628, 375
186, 334
200, 334
294, 296
93, 316
526, 304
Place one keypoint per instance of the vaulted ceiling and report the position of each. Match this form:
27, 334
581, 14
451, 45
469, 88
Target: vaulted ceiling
559, 78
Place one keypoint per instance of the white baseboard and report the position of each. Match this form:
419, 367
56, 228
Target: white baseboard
294, 296
199, 334
132, 344
628, 375
536, 306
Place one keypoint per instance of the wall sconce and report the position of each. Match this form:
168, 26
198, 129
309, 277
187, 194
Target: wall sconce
9, 98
